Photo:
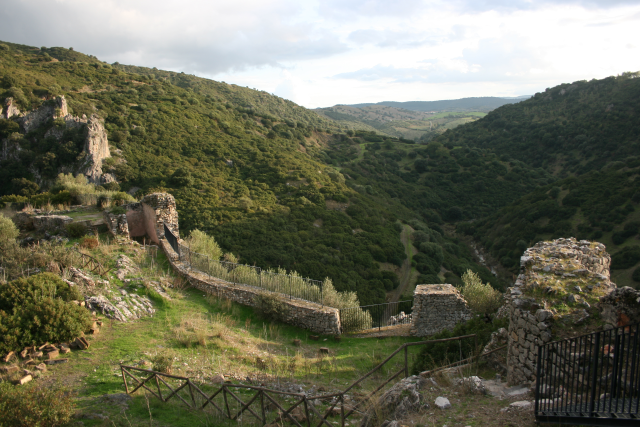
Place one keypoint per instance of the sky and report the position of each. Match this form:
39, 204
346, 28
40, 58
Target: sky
328, 52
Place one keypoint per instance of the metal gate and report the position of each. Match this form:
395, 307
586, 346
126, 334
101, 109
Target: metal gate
593, 379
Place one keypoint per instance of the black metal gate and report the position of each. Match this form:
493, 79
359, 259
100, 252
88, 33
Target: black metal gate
593, 379
376, 316
173, 240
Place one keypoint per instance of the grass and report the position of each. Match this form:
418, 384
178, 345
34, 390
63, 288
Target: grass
205, 337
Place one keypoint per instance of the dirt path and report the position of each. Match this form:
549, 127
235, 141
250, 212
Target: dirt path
406, 271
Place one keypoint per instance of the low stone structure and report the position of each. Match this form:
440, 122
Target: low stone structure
116, 224
318, 319
146, 218
559, 282
51, 223
437, 307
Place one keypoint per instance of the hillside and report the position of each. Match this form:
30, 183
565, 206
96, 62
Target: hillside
398, 122
257, 172
485, 104
586, 134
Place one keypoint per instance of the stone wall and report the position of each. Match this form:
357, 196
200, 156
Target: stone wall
621, 307
314, 317
145, 218
116, 224
558, 284
437, 307
51, 223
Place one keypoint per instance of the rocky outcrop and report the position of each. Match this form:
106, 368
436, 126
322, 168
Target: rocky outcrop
9, 110
96, 145
559, 282
397, 403
52, 109
96, 149
117, 224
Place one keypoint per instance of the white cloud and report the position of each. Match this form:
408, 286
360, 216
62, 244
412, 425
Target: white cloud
324, 52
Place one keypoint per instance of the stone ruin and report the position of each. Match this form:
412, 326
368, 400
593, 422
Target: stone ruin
560, 284
437, 307
145, 218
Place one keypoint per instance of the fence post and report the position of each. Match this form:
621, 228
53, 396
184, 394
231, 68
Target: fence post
406, 362
538, 379
594, 368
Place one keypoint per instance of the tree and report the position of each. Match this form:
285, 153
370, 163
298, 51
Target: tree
8, 231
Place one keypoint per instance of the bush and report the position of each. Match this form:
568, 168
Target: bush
162, 363
8, 231
33, 406
443, 353
199, 241
36, 310
89, 242
481, 297
625, 258
76, 230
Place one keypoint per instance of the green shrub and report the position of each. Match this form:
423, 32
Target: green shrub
481, 297
8, 231
162, 363
199, 241
118, 210
76, 230
443, 353
36, 310
35, 406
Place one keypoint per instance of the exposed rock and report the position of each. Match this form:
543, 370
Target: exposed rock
101, 304
96, 149
442, 402
621, 307
10, 109
522, 404
472, 384
125, 267
397, 403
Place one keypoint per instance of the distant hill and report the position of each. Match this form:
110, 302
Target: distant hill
484, 104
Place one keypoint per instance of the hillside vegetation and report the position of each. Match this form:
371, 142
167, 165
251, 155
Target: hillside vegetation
281, 186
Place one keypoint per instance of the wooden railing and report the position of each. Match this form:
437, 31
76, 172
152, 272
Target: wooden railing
195, 398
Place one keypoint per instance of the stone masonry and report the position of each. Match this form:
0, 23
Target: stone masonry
318, 319
437, 307
558, 282
145, 218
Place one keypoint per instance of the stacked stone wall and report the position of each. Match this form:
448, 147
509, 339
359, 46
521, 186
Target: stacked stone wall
436, 308
145, 218
558, 283
314, 317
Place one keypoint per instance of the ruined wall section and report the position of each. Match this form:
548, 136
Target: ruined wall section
559, 285
145, 218
436, 308
314, 317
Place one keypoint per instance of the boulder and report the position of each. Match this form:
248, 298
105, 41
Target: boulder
442, 402
397, 403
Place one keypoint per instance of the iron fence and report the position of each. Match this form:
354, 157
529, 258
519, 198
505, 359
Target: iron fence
293, 286
171, 238
355, 319
593, 379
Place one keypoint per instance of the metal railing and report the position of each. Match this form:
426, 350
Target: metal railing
355, 319
292, 286
171, 238
593, 379
264, 404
